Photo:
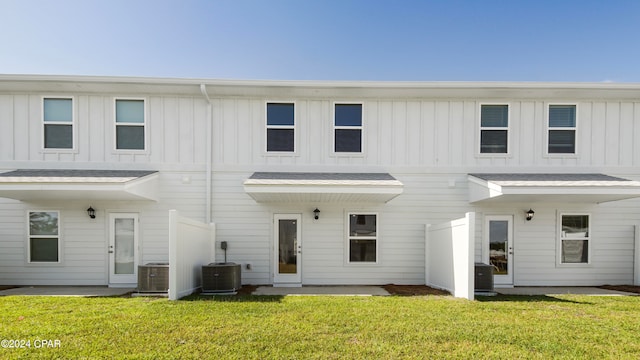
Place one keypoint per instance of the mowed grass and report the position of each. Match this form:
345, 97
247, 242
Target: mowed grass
324, 327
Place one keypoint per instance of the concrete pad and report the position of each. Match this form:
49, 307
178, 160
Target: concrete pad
78, 291
322, 290
561, 290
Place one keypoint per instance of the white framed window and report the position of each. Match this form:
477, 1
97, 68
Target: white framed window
561, 129
362, 237
44, 236
574, 238
130, 124
347, 128
58, 123
281, 127
494, 129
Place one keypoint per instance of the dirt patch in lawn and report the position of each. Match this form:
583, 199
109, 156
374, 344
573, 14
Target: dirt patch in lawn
413, 290
627, 288
246, 290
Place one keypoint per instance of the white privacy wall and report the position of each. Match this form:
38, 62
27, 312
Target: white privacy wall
449, 256
191, 245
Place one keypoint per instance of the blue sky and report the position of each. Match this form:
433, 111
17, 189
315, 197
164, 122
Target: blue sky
325, 39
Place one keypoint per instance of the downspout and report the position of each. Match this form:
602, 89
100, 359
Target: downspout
208, 181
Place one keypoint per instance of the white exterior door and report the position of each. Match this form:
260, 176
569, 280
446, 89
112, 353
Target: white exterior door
287, 250
123, 249
498, 245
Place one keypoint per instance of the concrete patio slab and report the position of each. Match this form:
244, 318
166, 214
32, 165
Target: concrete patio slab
322, 290
561, 290
78, 291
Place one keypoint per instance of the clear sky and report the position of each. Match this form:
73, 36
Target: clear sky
481, 40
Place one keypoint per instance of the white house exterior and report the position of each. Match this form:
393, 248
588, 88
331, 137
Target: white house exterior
379, 160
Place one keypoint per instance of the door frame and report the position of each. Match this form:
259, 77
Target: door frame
129, 280
500, 280
287, 280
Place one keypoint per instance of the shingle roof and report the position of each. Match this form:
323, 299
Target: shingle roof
527, 179
69, 175
321, 176
77, 173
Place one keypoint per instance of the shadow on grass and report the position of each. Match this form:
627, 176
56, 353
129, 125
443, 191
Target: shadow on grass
234, 298
526, 298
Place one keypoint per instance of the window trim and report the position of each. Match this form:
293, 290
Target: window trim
334, 127
144, 125
480, 129
29, 236
348, 238
74, 132
549, 128
294, 128
560, 238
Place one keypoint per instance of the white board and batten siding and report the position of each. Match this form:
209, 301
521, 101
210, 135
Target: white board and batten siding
429, 144
176, 146
175, 128
418, 134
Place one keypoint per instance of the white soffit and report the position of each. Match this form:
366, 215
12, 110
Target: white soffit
266, 187
41, 185
535, 188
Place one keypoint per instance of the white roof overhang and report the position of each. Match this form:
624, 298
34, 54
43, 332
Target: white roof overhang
322, 187
535, 188
41, 185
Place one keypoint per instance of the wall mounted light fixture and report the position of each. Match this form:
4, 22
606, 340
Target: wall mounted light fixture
530, 214
92, 212
316, 214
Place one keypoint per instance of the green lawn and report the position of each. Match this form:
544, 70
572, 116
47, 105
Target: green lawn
570, 327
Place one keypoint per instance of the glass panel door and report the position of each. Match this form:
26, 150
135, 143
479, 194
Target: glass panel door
288, 249
498, 240
123, 245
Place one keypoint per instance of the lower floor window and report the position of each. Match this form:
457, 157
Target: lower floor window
575, 238
44, 236
363, 238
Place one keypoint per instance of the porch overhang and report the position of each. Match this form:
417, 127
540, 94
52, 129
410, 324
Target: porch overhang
535, 188
288, 187
60, 184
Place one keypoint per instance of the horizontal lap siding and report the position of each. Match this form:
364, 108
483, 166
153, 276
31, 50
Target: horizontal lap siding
429, 145
535, 244
84, 240
247, 227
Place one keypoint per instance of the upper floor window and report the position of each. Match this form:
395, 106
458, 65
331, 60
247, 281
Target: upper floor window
348, 128
494, 129
44, 236
575, 238
562, 129
280, 127
130, 123
57, 118
363, 238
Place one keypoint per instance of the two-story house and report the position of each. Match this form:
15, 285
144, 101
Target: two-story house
313, 182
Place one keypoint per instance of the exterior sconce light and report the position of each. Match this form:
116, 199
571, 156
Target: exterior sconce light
92, 212
530, 214
316, 214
